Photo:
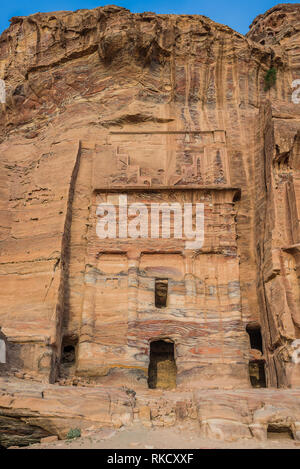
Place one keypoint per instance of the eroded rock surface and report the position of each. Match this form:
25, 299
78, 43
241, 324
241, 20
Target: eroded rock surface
33, 411
157, 108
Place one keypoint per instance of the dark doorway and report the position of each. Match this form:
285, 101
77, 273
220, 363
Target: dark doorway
256, 367
162, 367
257, 373
254, 332
161, 292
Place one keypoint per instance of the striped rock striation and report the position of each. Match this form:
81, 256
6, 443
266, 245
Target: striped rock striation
104, 106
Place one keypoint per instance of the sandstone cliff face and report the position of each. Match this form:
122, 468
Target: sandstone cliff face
102, 102
279, 228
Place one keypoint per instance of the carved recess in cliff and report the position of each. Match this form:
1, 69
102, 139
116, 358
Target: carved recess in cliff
119, 315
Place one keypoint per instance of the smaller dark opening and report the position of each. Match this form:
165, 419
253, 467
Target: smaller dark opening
68, 350
279, 432
255, 336
68, 354
68, 357
257, 373
161, 292
237, 196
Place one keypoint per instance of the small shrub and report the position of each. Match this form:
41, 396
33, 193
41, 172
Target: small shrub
74, 433
270, 78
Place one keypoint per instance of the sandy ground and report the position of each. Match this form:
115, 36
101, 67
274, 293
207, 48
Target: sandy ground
179, 437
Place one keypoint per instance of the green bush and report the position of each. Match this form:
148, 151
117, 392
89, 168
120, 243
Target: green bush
270, 78
74, 433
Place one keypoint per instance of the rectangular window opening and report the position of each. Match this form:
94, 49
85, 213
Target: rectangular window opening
161, 292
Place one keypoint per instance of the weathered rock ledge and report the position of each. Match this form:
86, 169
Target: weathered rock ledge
31, 411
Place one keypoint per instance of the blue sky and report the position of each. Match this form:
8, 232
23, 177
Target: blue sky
235, 13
